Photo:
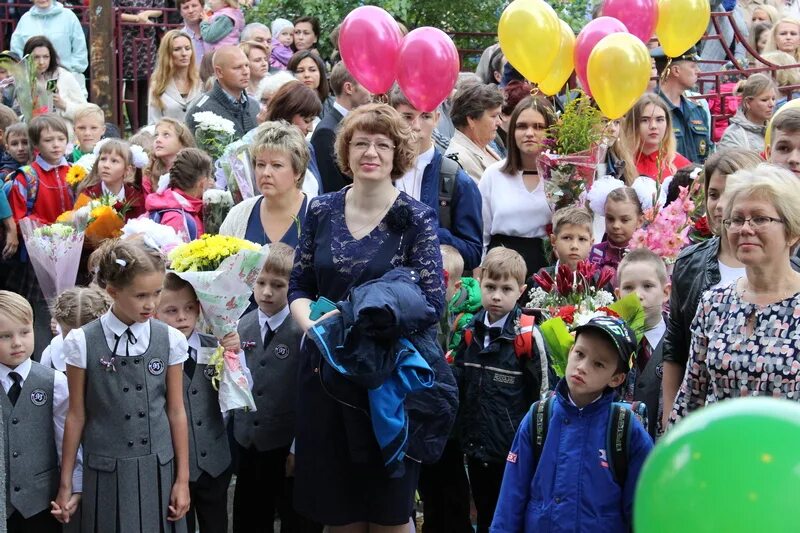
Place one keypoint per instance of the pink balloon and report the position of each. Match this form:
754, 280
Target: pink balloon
428, 68
639, 16
589, 36
369, 42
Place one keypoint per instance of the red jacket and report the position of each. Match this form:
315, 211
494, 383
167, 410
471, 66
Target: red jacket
646, 165
179, 202
53, 195
134, 199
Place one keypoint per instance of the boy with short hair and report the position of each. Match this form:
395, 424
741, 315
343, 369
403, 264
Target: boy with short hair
40, 190
34, 404
643, 272
573, 483
210, 469
784, 146
500, 373
89, 126
17, 150
272, 344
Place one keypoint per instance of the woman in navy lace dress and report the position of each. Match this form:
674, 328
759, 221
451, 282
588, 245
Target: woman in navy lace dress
351, 237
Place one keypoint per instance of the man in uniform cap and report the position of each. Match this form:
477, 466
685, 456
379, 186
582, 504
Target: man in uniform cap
690, 120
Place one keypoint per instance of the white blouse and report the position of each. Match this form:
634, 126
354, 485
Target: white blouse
75, 343
511, 209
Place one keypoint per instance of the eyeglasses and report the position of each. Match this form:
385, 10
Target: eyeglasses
362, 145
756, 223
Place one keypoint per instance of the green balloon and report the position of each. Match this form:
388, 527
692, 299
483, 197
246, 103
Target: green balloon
733, 467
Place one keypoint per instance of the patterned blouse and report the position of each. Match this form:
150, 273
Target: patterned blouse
725, 362
330, 261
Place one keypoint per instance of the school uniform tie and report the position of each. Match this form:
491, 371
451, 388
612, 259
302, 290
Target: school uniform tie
645, 352
191, 363
16, 387
268, 336
129, 339
492, 334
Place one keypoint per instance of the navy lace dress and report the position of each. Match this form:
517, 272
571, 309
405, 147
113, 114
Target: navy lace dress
339, 473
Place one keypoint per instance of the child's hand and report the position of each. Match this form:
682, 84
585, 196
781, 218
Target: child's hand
12, 243
59, 102
290, 465
64, 505
178, 501
231, 342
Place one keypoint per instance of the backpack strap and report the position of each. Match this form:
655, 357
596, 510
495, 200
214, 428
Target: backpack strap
30, 188
523, 342
188, 220
448, 172
618, 441
540, 422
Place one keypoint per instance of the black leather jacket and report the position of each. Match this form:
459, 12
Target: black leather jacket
695, 271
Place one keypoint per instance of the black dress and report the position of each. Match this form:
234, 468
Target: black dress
339, 473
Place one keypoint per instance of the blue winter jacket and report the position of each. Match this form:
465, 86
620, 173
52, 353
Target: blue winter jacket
466, 231
62, 27
572, 489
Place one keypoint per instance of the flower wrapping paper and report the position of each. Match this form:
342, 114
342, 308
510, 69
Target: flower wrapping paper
224, 294
55, 255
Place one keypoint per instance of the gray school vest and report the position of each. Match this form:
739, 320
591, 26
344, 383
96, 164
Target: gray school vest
31, 457
274, 370
126, 412
209, 450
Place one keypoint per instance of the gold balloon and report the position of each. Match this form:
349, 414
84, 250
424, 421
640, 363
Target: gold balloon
791, 104
530, 37
681, 24
618, 72
563, 65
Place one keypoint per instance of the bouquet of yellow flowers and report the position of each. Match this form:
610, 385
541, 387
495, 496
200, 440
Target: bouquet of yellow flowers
101, 218
222, 270
80, 169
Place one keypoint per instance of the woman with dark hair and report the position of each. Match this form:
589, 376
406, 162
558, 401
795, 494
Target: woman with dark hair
350, 238
476, 117
306, 34
299, 106
66, 93
308, 68
515, 210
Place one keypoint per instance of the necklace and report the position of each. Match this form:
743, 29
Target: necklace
371, 221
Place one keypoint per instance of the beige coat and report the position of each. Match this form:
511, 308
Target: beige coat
472, 158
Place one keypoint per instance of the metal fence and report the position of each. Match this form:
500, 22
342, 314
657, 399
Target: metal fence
129, 78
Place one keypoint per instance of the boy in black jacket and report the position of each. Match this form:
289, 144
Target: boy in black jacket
500, 373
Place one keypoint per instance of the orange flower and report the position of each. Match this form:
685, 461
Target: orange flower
81, 201
65, 217
106, 224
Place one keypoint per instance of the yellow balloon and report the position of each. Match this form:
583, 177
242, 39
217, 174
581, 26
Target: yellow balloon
681, 23
791, 104
563, 65
618, 72
530, 37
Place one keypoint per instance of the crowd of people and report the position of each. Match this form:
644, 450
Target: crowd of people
444, 221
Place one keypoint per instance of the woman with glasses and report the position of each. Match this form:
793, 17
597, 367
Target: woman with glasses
707, 265
515, 210
745, 336
351, 237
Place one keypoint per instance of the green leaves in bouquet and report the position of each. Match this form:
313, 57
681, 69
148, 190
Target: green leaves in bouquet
579, 127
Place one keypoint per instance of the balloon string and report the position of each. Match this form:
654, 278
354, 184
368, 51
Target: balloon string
665, 72
534, 90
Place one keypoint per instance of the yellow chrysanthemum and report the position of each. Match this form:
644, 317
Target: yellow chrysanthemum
75, 175
65, 217
207, 252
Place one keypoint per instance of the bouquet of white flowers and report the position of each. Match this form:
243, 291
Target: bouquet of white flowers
235, 171
54, 252
216, 204
155, 235
213, 132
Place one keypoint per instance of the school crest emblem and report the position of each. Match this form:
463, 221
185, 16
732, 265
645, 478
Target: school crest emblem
281, 351
210, 372
155, 367
39, 397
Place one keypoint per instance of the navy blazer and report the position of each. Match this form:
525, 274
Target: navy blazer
324, 140
466, 233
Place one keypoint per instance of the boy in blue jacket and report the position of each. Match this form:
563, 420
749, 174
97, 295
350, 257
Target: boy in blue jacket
572, 487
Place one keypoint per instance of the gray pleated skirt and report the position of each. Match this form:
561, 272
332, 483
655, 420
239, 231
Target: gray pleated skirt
128, 495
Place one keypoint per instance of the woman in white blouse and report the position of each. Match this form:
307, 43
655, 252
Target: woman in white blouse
515, 211
175, 81
476, 116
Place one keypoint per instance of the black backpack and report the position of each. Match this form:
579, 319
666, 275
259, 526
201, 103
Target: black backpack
447, 189
617, 438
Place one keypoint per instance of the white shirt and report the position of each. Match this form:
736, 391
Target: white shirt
75, 343
411, 182
499, 324
511, 209
340, 108
60, 407
120, 195
655, 334
274, 321
53, 355
728, 275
